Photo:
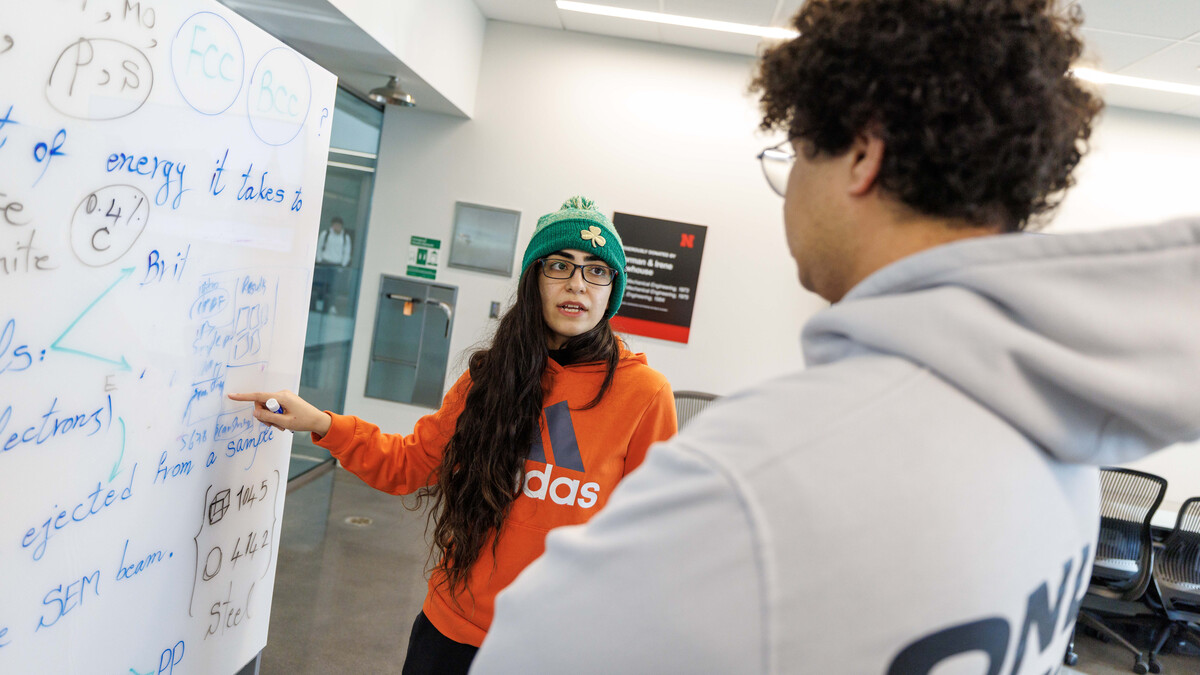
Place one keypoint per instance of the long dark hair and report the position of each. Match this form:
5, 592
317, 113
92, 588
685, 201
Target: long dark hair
483, 465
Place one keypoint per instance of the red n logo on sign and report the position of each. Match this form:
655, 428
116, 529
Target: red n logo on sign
688, 241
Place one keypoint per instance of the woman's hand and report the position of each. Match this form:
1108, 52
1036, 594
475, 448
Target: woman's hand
295, 413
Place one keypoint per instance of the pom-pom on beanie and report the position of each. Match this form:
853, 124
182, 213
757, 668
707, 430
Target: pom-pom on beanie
579, 225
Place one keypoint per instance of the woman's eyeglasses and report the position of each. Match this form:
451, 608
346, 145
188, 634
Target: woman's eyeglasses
599, 275
777, 162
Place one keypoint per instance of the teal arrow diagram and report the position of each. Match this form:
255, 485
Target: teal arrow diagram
120, 362
117, 467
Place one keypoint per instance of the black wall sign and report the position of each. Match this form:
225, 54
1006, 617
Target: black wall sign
663, 266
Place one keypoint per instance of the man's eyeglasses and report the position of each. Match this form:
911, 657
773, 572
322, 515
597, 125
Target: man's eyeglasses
599, 275
777, 162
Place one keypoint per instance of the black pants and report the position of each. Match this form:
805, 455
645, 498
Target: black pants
430, 652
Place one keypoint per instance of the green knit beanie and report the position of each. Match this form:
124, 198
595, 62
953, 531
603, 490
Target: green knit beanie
579, 225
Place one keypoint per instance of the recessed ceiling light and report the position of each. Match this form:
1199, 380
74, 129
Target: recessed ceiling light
1088, 74
675, 20
1101, 77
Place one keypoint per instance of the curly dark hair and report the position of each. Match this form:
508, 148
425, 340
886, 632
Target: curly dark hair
980, 117
482, 467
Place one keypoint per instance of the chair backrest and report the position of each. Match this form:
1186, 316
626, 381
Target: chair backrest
1128, 500
1177, 566
688, 403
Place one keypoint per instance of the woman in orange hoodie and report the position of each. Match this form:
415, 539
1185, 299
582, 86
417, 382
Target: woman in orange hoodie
535, 435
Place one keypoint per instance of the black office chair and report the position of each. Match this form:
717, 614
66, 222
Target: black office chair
1177, 576
1124, 560
689, 403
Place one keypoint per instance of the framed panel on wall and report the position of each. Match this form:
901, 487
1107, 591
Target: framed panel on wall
485, 238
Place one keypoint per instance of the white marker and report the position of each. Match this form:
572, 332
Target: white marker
274, 406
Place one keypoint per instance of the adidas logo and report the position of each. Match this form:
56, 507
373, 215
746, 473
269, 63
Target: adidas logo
562, 490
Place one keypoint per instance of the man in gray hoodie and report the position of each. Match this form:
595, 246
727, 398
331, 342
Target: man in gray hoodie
924, 495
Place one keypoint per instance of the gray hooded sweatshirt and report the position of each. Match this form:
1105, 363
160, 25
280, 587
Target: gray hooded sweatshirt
923, 495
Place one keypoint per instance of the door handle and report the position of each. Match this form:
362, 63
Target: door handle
408, 302
441, 305
445, 308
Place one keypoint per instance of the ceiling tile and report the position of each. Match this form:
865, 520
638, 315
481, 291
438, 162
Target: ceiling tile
1177, 63
1133, 37
643, 5
1146, 99
711, 40
1174, 19
752, 12
531, 12
1113, 51
785, 11
607, 25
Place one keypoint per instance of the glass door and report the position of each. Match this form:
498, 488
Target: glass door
337, 274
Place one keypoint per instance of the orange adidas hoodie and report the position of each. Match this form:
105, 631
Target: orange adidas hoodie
572, 469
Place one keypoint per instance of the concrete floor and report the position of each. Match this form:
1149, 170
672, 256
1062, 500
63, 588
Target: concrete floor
346, 594
1099, 658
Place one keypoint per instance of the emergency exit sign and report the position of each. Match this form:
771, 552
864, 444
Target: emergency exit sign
423, 257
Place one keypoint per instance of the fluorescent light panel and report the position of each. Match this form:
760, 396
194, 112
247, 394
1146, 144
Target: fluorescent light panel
674, 20
1088, 74
1101, 77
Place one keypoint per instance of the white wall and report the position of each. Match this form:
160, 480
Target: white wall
641, 128
439, 40
1142, 169
668, 132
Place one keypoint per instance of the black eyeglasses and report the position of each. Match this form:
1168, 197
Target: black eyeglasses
599, 275
777, 162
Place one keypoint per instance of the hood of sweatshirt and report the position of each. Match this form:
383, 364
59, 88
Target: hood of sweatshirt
626, 359
1087, 343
